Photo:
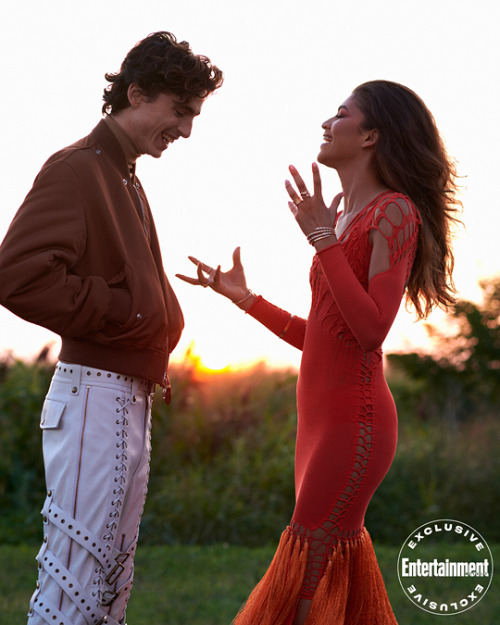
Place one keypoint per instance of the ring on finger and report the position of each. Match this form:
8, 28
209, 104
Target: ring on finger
211, 276
297, 201
305, 194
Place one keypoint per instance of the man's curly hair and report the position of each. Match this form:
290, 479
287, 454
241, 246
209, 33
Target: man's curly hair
161, 64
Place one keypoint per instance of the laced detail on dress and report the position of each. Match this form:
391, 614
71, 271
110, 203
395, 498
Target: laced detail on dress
346, 426
322, 541
395, 218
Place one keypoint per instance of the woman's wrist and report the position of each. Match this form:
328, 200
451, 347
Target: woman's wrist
246, 300
321, 234
325, 242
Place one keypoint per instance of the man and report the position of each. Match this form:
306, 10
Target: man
82, 259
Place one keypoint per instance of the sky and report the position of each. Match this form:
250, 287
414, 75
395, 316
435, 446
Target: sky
287, 65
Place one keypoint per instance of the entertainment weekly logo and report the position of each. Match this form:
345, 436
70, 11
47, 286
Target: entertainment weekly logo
445, 567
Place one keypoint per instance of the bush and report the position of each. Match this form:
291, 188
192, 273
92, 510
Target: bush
442, 469
22, 491
222, 463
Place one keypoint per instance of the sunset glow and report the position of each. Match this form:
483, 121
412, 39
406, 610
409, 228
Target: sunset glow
203, 367
223, 186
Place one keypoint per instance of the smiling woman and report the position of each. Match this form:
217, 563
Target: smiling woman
343, 134
281, 83
365, 262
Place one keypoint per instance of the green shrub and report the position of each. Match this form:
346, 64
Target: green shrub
223, 453
22, 388
222, 467
442, 469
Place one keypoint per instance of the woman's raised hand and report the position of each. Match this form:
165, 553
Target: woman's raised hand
231, 284
314, 217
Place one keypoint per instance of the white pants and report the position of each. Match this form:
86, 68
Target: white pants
96, 448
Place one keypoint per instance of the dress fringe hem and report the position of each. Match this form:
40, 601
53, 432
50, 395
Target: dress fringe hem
350, 592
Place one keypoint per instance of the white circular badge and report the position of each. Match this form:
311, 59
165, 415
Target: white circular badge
445, 567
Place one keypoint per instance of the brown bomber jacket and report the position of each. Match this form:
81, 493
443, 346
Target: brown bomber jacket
81, 258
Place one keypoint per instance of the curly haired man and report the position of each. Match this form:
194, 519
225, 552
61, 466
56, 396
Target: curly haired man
82, 258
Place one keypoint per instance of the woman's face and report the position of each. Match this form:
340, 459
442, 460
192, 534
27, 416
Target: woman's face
343, 135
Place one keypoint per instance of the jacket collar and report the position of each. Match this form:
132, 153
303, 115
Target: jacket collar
104, 137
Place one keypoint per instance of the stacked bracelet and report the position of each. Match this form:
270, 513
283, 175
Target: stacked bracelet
244, 299
321, 232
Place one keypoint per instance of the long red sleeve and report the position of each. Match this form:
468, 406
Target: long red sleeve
367, 306
286, 326
369, 312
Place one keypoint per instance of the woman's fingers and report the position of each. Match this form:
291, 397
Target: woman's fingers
188, 279
301, 185
206, 268
199, 273
200, 280
217, 276
316, 180
208, 276
201, 269
303, 193
294, 196
237, 257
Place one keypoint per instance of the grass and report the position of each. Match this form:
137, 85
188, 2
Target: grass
206, 586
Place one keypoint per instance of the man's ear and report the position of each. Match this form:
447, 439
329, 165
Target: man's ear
135, 95
371, 138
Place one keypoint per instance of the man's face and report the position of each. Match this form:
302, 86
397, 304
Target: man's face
155, 123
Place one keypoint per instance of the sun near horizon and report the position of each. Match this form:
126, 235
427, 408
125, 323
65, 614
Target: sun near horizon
213, 365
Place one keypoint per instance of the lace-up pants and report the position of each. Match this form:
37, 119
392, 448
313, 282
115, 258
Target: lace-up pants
96, 447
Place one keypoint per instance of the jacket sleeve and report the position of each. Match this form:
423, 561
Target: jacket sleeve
370, 312
38, 256
286, 326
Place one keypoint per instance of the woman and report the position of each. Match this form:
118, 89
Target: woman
392, 237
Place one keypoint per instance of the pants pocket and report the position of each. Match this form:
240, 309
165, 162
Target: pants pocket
52, 413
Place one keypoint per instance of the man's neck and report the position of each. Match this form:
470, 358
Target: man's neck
128, 146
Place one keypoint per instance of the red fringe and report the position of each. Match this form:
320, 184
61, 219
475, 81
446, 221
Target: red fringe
274, 600
351, 591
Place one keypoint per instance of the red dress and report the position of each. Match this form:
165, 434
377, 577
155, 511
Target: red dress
347, 426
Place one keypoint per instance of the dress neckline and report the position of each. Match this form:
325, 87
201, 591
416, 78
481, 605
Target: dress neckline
363, 211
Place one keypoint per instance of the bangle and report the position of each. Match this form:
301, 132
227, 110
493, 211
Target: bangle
244, 299
321, 232
287, 327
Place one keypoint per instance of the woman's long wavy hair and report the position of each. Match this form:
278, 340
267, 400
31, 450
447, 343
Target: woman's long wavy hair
411, 158
161, 64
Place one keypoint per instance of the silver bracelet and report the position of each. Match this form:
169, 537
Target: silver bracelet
321, 232
244, 299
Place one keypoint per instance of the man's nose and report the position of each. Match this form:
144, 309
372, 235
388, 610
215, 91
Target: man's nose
185, 128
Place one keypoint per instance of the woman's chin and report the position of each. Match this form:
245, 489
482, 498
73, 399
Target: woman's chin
323, 159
